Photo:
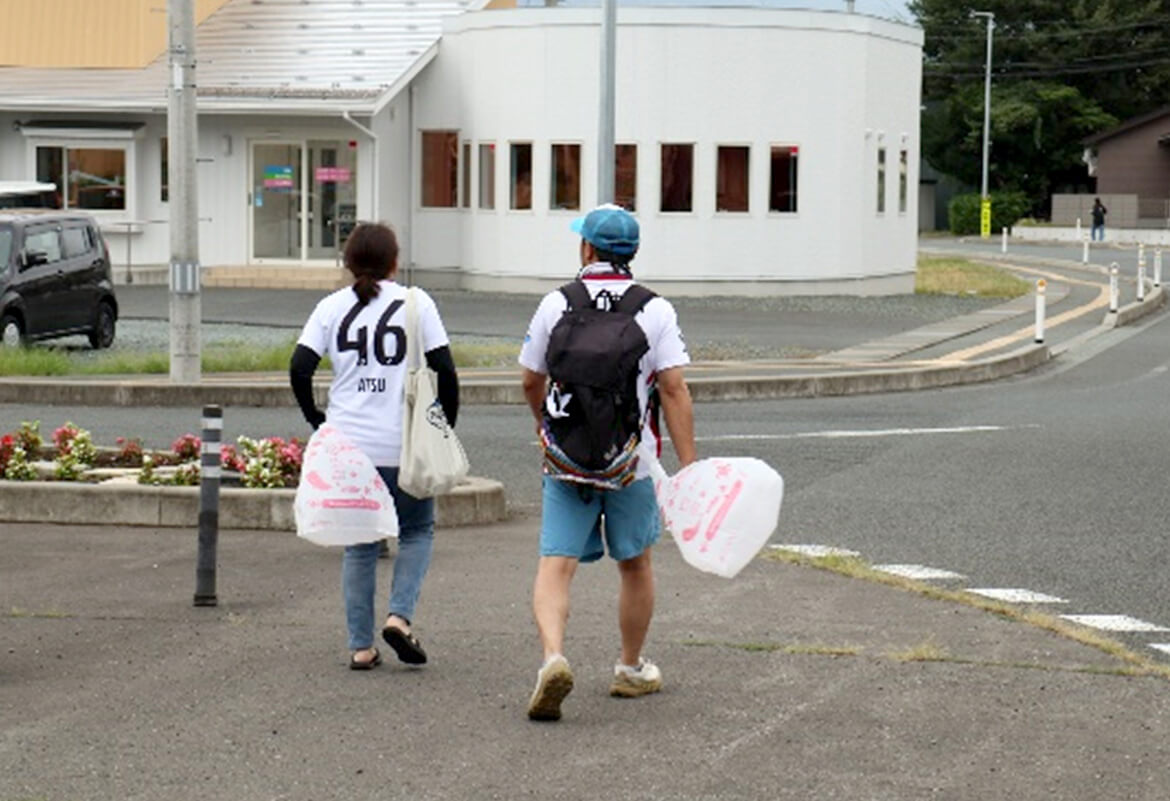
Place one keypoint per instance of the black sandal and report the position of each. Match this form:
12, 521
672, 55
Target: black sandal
405, 645
354, 664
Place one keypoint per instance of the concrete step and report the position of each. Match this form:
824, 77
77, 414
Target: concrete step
277, 277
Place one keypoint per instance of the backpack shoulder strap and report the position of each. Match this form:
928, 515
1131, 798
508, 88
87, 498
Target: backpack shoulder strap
634, 299
577, 295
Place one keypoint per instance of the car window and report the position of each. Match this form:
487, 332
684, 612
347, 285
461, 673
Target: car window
44, 241
76, 241
5, 248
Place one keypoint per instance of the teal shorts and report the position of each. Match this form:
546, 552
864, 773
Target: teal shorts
571, 525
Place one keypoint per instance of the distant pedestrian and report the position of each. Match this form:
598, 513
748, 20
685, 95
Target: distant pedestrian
361, 330
1099, 211
602, 355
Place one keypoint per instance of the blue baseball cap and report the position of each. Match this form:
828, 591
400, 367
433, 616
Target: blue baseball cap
609, 228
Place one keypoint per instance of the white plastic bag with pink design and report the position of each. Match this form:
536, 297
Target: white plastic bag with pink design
720, 511
341, 499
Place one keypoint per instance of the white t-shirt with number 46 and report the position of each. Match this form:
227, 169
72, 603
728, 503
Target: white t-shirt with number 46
367, 346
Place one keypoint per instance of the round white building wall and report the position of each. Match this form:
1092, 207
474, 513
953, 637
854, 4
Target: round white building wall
765, 151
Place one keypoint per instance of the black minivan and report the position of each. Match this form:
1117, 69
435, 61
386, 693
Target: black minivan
54, 278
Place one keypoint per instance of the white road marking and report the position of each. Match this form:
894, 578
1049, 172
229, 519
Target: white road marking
1017, 596
880, 432
815, 551
920, 572
1114, 623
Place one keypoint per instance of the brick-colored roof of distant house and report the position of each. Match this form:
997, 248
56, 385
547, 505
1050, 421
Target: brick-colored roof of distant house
1130, 124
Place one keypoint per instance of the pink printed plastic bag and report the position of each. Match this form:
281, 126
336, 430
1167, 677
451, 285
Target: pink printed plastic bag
341, 499
720, 511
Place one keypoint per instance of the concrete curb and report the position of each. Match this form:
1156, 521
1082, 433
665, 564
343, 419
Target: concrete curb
478, 501
1132, 312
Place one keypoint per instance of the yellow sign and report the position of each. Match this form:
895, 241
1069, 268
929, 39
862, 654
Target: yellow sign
985, 218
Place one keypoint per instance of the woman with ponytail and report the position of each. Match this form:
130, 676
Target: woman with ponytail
362, 330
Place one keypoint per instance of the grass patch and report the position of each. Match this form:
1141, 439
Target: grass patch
923, 652
773, 647
48, 361
854, 567
950, 276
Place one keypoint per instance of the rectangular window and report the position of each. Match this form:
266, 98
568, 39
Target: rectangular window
440, 169
782, 191
881, 180
466, 196
566, 177
75, 241
678, 173
521, 176
625, 184
731, 178
86, 177
487, 176
164, 170
903, 178
43, 241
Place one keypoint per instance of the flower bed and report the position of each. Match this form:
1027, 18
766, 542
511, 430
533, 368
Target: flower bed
270, 463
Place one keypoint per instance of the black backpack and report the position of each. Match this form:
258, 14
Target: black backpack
592, 423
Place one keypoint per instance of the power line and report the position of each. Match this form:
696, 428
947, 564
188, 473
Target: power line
1005, 31
1119, 67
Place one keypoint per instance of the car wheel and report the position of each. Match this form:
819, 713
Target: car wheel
102, 335
11, 331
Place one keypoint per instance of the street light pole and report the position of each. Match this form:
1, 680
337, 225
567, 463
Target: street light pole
605, 127
985, 212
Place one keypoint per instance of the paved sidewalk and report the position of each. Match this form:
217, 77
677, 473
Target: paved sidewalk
112, 686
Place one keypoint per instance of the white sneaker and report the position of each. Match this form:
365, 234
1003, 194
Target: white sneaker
553, 682
629, 682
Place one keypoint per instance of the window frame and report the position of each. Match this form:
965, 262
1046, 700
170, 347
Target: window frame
747, 209
453, 135
512, 175
661, 187
128, 146
552, 179
881, 163
465, 173
903, 180
794, 152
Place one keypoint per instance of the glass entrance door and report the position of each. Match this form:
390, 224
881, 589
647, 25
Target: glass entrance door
332, 197
276, 201
304, 199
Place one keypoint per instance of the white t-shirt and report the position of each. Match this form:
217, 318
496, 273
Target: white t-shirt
657, 319
367, 346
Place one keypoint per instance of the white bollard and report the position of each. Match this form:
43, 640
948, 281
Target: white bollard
1085, 250
1141, 284
1113, 288
1040, 287
1078, 227
1158, 267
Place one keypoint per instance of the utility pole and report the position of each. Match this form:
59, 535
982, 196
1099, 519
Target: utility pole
605, 128
182, 141
985, 203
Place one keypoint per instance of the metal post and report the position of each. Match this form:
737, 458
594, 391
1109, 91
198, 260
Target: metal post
208, 506
605, 127
1141, 277
1078, 227
1085, 250
1003, 242
1113, 291
182, 141
129, 254
1041, 285
986, 100
1158, 267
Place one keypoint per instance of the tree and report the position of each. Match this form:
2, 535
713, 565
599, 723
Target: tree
1061, 71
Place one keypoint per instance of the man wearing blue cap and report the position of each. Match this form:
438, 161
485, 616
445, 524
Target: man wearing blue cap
577, 499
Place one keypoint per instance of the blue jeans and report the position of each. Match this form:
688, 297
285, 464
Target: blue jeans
1098, 233
359, 566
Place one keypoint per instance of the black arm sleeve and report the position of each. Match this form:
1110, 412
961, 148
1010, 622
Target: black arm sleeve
441, 362
300, 374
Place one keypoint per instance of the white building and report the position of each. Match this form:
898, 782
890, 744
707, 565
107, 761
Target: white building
763, 150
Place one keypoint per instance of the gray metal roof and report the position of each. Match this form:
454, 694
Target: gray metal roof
311, 56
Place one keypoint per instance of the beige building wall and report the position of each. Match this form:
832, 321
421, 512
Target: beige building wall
108, 34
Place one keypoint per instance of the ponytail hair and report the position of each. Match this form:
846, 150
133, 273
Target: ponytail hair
371, 254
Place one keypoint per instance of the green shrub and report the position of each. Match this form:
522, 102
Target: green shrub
1006, 209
